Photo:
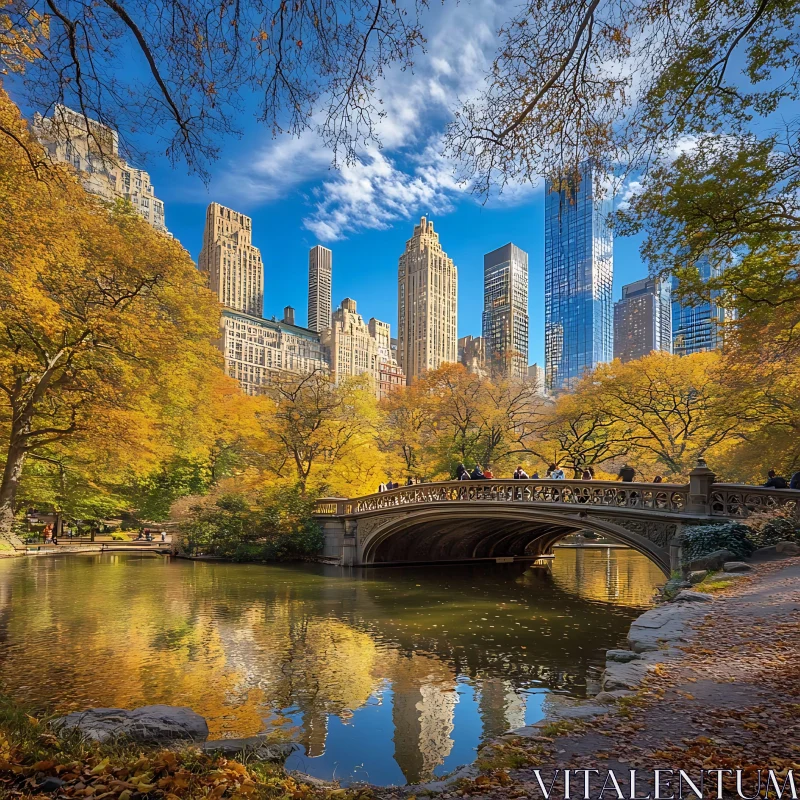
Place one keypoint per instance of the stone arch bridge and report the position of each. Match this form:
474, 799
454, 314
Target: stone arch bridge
505, 520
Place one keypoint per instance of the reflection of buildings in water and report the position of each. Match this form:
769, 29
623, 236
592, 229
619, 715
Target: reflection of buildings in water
423, 712
500, 706
612, 575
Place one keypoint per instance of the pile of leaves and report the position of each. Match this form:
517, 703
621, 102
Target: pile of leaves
36, 763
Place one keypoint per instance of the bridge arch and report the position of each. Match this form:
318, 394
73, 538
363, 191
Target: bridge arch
454, 533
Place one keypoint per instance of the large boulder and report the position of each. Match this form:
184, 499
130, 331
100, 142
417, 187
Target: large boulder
621, 656
711, 561
698, 576
148, 724
693, 597
737, 566
787, 548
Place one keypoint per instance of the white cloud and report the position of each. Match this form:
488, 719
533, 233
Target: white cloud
408, 175
375, 193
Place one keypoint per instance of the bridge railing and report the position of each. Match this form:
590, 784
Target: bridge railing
738, 501
653, 496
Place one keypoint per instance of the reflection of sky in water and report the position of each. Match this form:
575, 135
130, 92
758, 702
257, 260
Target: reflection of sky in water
387, 675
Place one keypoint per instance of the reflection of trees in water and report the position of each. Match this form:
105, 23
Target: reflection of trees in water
243, 644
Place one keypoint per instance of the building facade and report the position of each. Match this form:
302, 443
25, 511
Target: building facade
579, 267
92, 150
320, 277
254, 349
232, 264
505, 309
472, 354
698, 328
643, 319
350, 347
427, 304
536, 377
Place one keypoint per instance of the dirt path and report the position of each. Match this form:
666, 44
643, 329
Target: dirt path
731, 700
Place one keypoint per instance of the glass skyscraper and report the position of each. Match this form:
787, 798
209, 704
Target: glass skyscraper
698, 328
578, 272
505, 309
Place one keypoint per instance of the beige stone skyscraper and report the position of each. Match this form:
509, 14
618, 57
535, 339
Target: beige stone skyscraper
427, 303
233, 265
320, 271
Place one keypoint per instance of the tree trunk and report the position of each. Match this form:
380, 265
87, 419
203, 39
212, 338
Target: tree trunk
8, 496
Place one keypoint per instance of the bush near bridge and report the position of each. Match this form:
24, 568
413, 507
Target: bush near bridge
761, 530
275, 525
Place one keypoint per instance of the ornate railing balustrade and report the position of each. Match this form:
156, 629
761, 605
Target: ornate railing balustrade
736, 501
651, 496
720, 500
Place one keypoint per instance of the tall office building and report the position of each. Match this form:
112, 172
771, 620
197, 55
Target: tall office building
505, 309
643, 319
233, 266
92, 150
427, 304
578, 272
700, 327
536, 377
320, 272
351, 348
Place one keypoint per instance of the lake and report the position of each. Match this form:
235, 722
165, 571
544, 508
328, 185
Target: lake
389, 675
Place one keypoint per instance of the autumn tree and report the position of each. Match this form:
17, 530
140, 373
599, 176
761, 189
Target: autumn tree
671, 406
305, 65
94, 304
580, 432
323, 432
622, 81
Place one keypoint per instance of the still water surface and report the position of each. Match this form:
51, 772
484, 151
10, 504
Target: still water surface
389, 675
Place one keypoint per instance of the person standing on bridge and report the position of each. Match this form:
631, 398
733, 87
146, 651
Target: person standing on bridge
460, 470
626, 474
477, 473
556, 473
520, 474
794, 482
775, 481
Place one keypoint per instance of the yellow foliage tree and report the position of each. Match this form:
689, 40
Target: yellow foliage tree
96, 309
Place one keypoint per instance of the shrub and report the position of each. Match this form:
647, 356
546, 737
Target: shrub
274, 526
770, 527
700, 540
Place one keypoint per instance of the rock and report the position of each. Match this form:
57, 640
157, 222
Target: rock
50, 785
736, 566
581, 711
150, 724
437, 787
317, 783
256, 746
659, 626
623, 676
622, 656
787, 548
614, 696
693, 597
673, 586
712, 561
697, 576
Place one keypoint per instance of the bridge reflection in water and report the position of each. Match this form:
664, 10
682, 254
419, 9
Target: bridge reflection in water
401, 671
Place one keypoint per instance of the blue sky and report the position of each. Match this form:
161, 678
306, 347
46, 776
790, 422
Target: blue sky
365, 213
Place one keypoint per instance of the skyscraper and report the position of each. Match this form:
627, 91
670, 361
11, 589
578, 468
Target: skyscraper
643, 319
505, 309
232, 264
700, 327
427, 302
92, 150
578, 271
320, 271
